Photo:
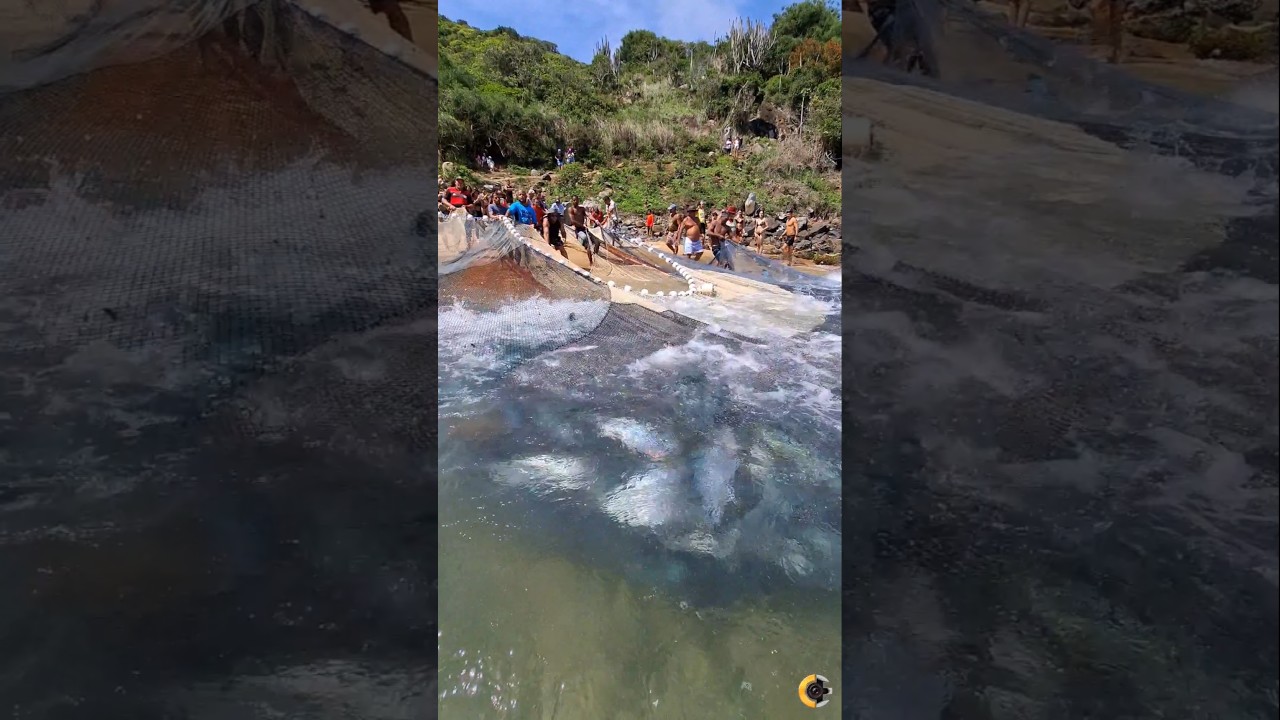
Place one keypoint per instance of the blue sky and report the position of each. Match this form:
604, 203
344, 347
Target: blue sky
576, 26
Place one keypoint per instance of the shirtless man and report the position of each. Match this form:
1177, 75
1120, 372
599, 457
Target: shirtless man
673, 229
692, 233
718, 233
789, 234
395, 16
578, 224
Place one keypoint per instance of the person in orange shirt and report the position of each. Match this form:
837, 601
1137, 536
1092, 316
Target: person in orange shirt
648, 222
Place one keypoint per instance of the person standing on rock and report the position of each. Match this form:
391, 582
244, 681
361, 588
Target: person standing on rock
761, 228
648, 222
395, 16
789, 235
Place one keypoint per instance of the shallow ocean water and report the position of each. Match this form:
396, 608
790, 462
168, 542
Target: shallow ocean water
636, 536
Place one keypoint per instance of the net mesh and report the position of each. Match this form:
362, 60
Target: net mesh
215, 314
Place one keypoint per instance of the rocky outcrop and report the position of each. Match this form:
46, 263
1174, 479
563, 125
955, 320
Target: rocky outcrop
1204, 23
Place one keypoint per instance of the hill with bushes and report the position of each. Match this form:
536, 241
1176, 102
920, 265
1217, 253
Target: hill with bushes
648, 117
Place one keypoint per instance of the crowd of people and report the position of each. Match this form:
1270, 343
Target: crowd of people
565, 157
555, 221
690, 230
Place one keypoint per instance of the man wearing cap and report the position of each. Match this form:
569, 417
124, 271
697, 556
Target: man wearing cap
553, 230
692, 232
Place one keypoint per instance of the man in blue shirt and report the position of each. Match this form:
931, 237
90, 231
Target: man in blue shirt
521, 212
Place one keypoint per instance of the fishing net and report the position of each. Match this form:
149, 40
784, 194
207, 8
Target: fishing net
1061, 428
217, 326
539, 366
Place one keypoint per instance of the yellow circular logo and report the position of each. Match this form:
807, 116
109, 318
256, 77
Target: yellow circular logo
815, 691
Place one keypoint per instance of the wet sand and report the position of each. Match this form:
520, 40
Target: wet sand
611, 265
489, 285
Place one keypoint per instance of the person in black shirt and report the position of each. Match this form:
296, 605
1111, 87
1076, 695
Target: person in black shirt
553, 230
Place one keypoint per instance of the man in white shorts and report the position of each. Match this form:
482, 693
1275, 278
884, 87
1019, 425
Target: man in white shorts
692, 235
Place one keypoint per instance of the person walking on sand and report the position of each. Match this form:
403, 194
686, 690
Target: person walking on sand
692, 236
578, 224
789, 234
717, 233
648, 222
553, 231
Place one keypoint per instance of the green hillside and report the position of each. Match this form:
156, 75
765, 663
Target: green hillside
647, 116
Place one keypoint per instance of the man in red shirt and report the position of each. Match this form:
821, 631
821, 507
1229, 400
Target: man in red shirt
457, 194
539, 208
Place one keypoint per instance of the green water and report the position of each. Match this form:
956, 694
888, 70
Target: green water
528, 634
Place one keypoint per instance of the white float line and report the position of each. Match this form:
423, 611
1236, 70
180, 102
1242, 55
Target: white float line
706, 288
